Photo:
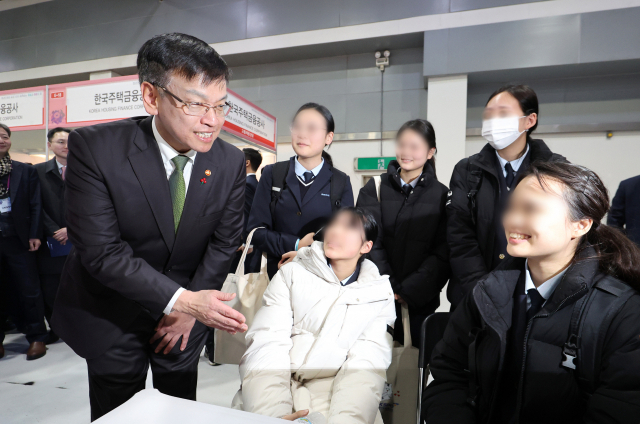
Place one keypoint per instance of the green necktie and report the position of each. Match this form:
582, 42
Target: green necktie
178, 188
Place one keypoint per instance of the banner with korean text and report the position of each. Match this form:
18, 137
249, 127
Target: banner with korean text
23, 109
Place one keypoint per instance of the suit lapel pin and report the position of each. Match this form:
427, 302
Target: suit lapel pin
203, 180
207, 173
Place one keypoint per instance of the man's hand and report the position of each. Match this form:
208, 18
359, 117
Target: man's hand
206, 306
61, 236
34, 244
306, 240
170, 328
286, 258
400, 299
296, 415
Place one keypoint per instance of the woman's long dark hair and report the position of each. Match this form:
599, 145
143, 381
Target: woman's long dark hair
587, 197
360, 218
328, 117
426, 131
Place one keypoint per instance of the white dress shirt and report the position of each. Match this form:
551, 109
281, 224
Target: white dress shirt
346, 280
515, 164
413, 183
300, 170
167, 153
545, 289
60, 166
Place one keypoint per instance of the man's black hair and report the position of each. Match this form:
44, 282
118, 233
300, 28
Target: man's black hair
55, 131
166, 55
253, 156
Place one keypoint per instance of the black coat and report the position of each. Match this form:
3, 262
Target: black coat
26, 205
249, 265
625, 209
550, 393
411, 247
472, 244
127, 259
295, 217
53, 211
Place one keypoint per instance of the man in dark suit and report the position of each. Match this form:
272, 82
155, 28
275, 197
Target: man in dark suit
52, 176
154, 213
253, 159
625, 209
20, 208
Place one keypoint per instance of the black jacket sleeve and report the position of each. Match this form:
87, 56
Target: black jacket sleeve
424, 284
444, 401
616, 217
347, 195
617, 396
368, 200
267, 240
249, 193
35, 203
93, 231
467, 262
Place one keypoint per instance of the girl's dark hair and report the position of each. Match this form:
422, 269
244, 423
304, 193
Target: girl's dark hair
587, 197
426, 131
360, 218
527, 98
328, 117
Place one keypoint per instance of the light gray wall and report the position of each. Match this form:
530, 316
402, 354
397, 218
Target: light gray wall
64, 31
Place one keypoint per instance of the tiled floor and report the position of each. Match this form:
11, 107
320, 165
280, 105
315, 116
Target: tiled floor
54, 389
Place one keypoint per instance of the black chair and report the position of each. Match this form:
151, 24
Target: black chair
431, 333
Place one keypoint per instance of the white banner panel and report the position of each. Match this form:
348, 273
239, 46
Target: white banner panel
22, 109
108, 101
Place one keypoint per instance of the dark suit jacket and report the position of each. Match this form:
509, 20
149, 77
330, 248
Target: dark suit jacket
625, 209
295, 216
126, 258
24, 191
249, 265
53, 211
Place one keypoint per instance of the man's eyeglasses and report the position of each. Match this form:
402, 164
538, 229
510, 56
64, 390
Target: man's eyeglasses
198, 109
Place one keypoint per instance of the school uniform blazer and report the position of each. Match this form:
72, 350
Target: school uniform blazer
294, 217
127, 259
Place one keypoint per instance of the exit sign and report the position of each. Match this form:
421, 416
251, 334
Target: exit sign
372, 164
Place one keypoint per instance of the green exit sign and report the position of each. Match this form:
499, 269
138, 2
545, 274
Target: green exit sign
372, 164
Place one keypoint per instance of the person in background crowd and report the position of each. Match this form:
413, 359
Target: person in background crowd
154, 212
253, 159
625, 209
295, 198
52, 175
321, 341
480, 186
20, 229
412, 245
551, 336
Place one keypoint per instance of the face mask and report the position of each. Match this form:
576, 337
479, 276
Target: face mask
501, 132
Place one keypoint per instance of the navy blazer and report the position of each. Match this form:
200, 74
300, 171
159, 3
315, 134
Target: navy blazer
295, 217
26, 205
249, 193
625, 209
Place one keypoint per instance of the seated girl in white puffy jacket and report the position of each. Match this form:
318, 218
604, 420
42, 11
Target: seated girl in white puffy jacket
321, 341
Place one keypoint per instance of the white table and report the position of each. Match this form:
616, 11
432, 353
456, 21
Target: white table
151, 406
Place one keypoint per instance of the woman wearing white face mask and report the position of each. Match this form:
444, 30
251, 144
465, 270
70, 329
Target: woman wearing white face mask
481, 184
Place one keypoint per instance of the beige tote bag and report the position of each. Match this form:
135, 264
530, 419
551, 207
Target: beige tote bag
249, 289
400, 396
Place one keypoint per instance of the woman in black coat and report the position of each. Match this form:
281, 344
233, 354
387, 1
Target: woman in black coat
552, 335
412, 245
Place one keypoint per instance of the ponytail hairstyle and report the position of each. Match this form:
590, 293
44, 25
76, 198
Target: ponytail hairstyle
587, 197
360, 218
428, 134
328, 117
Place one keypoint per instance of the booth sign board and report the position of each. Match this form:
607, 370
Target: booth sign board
23, 109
